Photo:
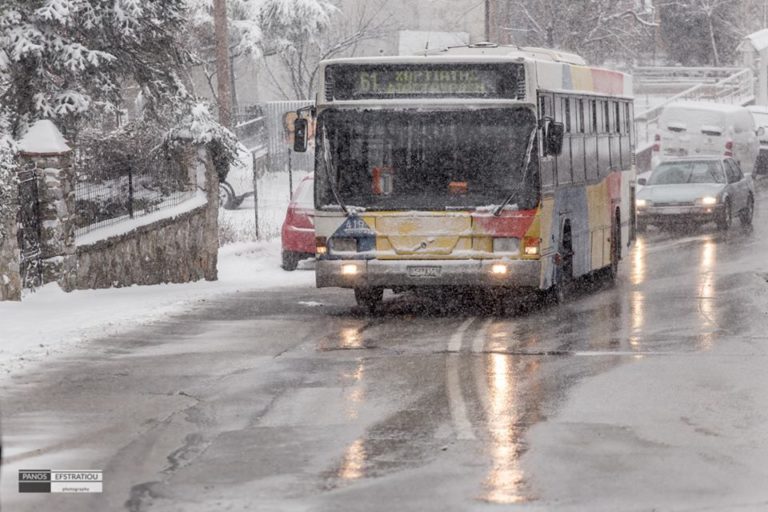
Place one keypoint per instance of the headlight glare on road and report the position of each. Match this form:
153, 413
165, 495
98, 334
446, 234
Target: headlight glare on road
708, 201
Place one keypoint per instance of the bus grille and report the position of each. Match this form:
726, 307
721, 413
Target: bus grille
679, 203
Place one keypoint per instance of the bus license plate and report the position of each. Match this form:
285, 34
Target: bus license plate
424, 271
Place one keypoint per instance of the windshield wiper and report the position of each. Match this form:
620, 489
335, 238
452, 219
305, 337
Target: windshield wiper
329, 168
524, 169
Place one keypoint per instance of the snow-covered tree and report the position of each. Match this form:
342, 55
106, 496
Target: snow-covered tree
366, 20
61, 59
701, 32
8, 186
596, 29
261, 28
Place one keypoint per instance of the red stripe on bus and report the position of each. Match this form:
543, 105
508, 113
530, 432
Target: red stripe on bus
608, 82
508, 224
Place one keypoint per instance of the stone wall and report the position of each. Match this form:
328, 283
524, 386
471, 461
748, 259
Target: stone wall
178, 249
175, 250
173, 246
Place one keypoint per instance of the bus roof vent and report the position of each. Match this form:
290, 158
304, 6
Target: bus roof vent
484, 44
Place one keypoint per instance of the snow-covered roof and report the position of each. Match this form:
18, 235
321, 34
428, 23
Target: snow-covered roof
43, 138
517, 51
758, 40
705, 105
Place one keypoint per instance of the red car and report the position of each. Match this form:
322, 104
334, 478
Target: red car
298, 232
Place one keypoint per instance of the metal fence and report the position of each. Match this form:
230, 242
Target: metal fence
115, 185
279, 121
30, 224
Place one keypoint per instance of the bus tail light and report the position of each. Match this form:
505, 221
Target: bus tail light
532, 246
321, 245
729, 148
657, 143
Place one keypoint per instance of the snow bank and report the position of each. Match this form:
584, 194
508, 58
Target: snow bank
50, 321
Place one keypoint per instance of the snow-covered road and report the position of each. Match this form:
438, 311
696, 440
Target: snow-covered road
647, 395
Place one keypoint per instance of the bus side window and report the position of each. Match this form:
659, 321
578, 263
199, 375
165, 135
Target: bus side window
619, 117
595, 128
581, 116
567, 114
627, 118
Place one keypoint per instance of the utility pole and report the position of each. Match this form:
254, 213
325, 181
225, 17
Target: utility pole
487, 20
223, 68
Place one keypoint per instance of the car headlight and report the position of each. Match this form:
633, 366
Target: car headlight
707, 201
506, 245
642, 203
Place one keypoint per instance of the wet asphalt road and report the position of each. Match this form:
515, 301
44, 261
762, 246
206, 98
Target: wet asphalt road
294, 399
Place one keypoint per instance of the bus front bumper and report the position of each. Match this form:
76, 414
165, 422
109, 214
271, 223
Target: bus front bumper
421, 273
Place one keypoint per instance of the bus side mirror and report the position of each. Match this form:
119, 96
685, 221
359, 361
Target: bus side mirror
554, 138
642, 182
300, 129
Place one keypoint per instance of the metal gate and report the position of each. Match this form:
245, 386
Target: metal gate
30, 232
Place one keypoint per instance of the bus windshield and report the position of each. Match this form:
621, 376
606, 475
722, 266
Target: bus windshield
412, 159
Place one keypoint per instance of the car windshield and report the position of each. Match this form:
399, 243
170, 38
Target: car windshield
675, 173
428, 160
760, 119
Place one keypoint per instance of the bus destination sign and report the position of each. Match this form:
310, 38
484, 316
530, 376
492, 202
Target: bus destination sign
393, 81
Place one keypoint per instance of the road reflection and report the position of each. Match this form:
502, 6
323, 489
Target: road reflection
505, 479
353, 465
354, 391
706, 297
639, 255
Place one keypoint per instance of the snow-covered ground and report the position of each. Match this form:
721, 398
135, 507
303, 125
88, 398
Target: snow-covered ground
50, 321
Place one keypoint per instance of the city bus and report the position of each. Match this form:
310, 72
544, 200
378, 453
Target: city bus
486, 166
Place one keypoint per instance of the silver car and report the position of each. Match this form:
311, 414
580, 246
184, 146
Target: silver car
695, 190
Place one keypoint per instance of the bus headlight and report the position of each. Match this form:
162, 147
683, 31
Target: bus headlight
641, 203
532, 246
321, 246
349, 270
499, 269
506, 245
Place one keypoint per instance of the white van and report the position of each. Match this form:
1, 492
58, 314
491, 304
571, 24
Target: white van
700, 128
